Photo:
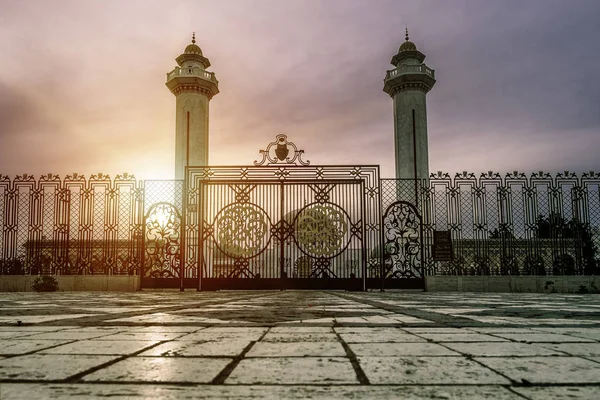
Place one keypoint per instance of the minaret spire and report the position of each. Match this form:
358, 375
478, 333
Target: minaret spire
408, 84
193, 87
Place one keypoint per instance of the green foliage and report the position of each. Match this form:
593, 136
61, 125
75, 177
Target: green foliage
502, 233
584, 289
550, 286
12, 266
45, 283
556, 227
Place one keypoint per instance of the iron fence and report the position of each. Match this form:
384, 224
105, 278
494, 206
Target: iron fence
513, 224
72, 225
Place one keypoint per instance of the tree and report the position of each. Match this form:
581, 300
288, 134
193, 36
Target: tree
556, 227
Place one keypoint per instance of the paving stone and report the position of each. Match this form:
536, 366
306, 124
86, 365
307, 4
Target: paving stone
587, 333
293, 370
204, 336
164, 318
559, 393
48, 367
407, 319
161, 369
542, 337
250, 330
11, 335
495, 330
143, 336
455, 311
545, 369
68, 335
167, 392
427, 370
224, 347
575, 349
109, 330
396, 336
104, 347
22, 346
436, 330
31, 328
461, 337
301, 329
502, 349
300, 337
164, 329
372, 330
297, 349
400, 349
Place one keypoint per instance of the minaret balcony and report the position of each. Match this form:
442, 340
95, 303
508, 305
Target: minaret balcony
409, 74
193, 76
410, 69
192, 72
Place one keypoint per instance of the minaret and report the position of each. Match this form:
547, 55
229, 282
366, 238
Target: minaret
193, 87
408, 85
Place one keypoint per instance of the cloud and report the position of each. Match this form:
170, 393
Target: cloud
83, 82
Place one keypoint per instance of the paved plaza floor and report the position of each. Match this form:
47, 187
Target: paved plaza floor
293, 344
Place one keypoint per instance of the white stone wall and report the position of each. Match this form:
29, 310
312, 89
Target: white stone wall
404, 103
74, 283
511, 284
197, 105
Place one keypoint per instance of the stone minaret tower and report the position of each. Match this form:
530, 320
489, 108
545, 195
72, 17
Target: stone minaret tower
193, 86
408, 85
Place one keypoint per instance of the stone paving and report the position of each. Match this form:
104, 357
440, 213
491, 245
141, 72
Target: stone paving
296, 345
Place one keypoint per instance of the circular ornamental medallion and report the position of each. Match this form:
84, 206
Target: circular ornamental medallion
321, 230
242, 230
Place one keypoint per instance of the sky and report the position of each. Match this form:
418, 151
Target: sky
82, 82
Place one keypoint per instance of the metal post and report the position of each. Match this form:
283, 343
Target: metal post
200, 212
182, 245
281, 236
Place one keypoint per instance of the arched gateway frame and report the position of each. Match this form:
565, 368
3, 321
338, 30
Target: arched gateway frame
282, 224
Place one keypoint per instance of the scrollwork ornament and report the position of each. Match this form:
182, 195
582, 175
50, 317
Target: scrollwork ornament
162, 244
321, 230
402, 242
242, 230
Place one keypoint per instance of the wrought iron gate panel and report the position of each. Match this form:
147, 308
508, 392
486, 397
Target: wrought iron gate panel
266, 231
402, 242
161, 234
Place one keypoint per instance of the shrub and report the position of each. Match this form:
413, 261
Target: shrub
45, 283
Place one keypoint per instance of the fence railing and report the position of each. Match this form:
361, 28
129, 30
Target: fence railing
537, 224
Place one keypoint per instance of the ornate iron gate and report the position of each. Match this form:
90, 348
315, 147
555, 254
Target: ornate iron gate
283, 223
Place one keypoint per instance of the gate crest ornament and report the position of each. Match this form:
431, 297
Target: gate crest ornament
278, 152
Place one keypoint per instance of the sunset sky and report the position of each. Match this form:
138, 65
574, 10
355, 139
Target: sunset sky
82, 83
